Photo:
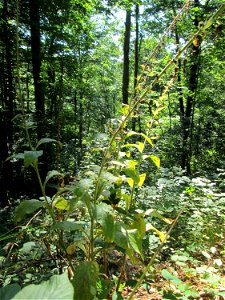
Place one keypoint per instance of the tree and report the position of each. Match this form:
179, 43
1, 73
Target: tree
34, 13
7, 97
126, 58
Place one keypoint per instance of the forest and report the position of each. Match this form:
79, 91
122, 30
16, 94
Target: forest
112, 149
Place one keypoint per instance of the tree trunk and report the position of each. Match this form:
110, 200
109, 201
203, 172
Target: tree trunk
136, 63
187, 120
34, 11
126, 62
6, 107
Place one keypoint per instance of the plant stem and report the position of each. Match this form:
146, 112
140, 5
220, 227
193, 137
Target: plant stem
122, 272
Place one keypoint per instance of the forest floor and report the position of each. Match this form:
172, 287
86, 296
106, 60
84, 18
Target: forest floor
201, 278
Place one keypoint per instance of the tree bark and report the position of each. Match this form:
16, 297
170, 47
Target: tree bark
7, 97
34, 12
126, 61
136, 63
187, 120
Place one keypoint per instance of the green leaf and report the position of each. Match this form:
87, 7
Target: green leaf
7, 292
128, 238
127, 199
141, 179
50, 175
125, 109
117, 163
155, 213
139, 146
68, 226
130, 181
168, 276
157, 111
30, 157
85, 281
57, 287
105, 217
27, 207
27, 247
109, 177
117, 296
133, 174
131, 164
61, 203
18, 156
47, 140
161, 235
147, 139
140, 225
156, 160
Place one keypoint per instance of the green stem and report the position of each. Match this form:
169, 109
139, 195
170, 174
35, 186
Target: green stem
48, 206
122, 272
92, 239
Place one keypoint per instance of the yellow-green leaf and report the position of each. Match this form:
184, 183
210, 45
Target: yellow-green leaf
156, 160
161, 235
141, 179
125, 109
130, 181
156, 112
141, 146
132, 163
61, 203
147, 139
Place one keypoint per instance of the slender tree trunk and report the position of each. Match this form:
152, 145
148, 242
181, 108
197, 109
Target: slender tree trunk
189, 110
136, 63
80, 138
7, 96
126, 62
34, 11
136, 48
51, 79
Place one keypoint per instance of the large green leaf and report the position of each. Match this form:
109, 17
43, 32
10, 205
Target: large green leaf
156, 160
26, 207
109, 177
81, 193
47, 140
30, 157
61, 203
68, 226
132, 173
131, 133
140, 225
7, 292
57, 287
139, 146
85, 281
82, 187
50, 175
105, 217
167, 275
128, 238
